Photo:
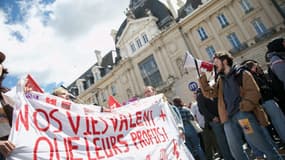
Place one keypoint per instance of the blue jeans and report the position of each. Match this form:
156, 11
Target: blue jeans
277, 117
266, 134
253, 134
218, 129
193, 141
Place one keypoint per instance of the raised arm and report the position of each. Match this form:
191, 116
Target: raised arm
208, 91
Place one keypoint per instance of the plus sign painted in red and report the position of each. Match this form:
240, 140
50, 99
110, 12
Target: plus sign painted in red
162, 115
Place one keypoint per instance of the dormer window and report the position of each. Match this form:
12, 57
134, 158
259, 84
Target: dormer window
80, 85
97, 75
189, 9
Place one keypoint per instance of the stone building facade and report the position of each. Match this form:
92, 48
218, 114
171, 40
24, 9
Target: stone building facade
152, 41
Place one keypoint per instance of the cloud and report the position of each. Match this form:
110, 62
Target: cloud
55, 42
83, 16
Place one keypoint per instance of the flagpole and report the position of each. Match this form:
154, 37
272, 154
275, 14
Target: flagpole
197, 68
195, 61
188, 47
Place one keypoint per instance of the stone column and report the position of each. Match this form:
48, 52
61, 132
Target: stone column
237, 19
216, 36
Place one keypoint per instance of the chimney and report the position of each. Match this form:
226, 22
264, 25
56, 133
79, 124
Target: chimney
113, 34
171, 8
98, 56
180, 3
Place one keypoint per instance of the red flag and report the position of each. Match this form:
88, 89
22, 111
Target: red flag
190, 63
113, 103
32, 84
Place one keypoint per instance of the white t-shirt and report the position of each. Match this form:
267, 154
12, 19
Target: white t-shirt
195, 111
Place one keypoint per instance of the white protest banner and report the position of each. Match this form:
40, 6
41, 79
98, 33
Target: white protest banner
46, 127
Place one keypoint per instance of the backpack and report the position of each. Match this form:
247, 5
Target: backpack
263, 81
258, 112
276, 85
238, 75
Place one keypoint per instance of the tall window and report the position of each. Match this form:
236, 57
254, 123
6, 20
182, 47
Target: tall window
97, 75
113, 89
246, 6
139, 43
89, 82
223, 20
234, 40
202, 33
96, 99
133, 47
210, 51
129, 93
150, 72
103, 95
145, 39
259, 27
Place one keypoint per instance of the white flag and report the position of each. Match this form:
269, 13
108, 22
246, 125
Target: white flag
189, 62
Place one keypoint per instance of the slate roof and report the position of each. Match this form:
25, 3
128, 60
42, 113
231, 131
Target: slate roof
107, 64
182, 12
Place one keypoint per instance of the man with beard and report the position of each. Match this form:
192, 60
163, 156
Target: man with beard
235, 106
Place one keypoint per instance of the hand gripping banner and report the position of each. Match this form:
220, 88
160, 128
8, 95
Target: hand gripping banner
46, 127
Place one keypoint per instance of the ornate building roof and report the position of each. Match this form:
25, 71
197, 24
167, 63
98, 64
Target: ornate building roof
189, 6
144, 8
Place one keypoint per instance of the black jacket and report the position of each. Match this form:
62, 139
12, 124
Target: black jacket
207, 107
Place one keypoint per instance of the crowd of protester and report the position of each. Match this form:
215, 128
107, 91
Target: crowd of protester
243, 111
241, 116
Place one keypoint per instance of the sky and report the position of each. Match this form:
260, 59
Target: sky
54, 41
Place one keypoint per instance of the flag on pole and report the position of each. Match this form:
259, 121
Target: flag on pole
32, 84
113, 103
190, 61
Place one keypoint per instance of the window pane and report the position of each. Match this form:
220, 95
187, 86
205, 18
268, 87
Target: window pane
234, 40
202, 33
223, 20
133, 47
139, 43
246, 6
145, 39
149, 71
210, 51
259, 27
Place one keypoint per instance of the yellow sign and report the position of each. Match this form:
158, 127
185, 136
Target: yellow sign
244, 123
